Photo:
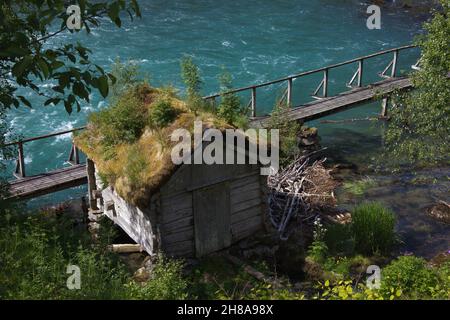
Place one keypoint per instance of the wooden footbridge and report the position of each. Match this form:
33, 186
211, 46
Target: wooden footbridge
75, 175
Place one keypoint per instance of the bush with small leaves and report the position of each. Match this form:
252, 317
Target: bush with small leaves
411, 275
161, 114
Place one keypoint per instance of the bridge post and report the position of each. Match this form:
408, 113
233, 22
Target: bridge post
253, 102
325, 83
360, 73
92, 184
213, 102
289, 92
20, 162
74, 157
394, 64
384, 107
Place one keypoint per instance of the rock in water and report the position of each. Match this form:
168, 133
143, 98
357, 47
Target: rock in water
440, 212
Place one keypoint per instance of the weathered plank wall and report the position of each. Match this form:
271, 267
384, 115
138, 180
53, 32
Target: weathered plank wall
246, 199
135, 222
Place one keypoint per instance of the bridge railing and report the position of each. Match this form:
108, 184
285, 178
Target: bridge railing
20, 172
355, 81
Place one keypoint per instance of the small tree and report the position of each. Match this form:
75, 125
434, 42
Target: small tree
230, 108
419, 129
289, 131
191, 77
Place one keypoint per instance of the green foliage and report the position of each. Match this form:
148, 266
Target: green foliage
359, 187
124, 121
318, 250
339, 239
135, 165
35, 252
126, 77
167, 283
419, 128
162, 113
191, 77
230, 108
415, 279
348, 290
373, 228
289, 131
24, 31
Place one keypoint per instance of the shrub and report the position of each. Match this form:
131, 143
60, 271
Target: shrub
230, 108
411, 275
339, 239
373, 228
161, 114
191, 77
124, 121
347, 290
289, 131
126, 75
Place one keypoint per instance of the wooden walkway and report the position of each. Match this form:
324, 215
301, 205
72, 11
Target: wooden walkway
45, 183
343, 101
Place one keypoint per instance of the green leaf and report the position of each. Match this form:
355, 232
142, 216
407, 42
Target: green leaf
56, 64
25, 101
19, 68
14, 51
43, 66
103, 86
79, 90
68, 106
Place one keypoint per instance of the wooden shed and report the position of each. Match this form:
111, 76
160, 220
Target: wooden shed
197, 209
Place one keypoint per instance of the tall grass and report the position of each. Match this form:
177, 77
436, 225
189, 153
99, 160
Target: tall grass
373, 228
36, 250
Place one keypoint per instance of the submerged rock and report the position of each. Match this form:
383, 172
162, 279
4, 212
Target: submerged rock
308, 137
440, 212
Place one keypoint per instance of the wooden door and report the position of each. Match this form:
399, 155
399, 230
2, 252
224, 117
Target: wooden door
212, 218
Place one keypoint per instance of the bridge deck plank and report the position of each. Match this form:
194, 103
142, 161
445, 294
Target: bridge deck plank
339, 102
48, 182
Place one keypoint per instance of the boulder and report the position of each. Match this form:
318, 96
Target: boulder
440, 212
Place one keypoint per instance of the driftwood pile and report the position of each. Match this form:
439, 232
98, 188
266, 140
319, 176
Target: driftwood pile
300, 191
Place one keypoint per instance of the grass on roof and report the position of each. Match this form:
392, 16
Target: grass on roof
130, 140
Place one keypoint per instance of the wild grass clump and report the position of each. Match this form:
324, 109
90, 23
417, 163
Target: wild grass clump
372, 228
167, 282
35, 251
